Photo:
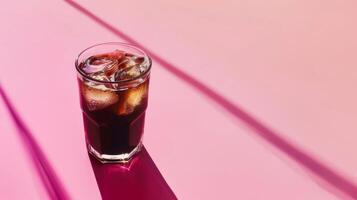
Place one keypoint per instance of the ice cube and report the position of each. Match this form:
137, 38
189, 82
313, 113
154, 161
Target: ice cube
97, 99
135, 95
134, 60
111, 68
130, 68
103, 63
99, 77
116, 54
95, 65
133, 98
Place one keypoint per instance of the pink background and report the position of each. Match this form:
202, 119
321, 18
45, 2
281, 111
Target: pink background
289, 64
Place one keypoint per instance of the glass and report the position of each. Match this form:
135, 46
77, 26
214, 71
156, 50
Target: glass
113, 81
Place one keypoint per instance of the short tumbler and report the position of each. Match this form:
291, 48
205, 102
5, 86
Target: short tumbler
113, 81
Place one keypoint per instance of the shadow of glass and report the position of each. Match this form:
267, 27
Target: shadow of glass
138, 179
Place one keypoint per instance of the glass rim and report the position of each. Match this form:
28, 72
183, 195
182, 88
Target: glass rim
146, 59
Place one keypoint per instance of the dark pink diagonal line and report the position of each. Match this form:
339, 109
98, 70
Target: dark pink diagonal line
52, 184
310, 163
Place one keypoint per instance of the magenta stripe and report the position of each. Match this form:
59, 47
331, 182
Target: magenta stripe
312, 164
49, 179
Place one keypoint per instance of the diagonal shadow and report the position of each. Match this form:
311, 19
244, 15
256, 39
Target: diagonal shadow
52, 184
316, 167
136, 180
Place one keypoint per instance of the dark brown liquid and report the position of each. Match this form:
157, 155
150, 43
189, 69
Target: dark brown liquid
108, 130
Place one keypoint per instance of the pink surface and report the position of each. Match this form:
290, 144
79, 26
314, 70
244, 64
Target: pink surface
42, 168
17, 180
290, 64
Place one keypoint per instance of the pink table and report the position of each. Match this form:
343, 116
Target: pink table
263, 107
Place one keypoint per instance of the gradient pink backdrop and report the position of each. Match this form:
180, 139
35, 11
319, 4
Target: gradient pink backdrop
291, 64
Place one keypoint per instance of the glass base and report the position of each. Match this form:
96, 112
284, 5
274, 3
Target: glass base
118, 158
